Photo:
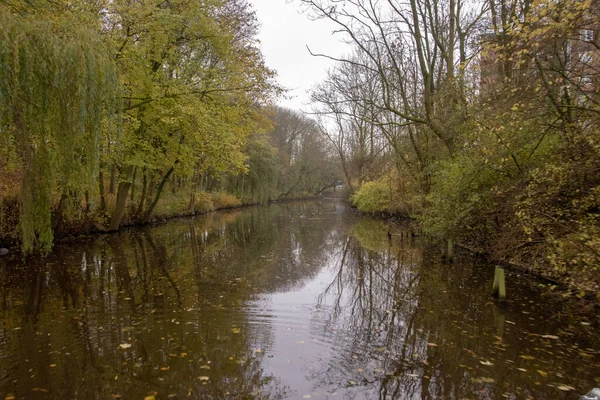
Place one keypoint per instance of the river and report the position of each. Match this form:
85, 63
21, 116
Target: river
294, 300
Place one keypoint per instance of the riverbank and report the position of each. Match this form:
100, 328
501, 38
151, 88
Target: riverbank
92, 225
578, 284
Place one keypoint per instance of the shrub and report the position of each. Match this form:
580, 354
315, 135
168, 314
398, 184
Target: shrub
223, 200
203, 202
374, 196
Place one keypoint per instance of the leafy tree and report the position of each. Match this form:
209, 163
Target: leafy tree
58, 88
192, 76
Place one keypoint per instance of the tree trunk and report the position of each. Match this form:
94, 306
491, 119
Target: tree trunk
122, 193
102, 199
133, 182
242, 190
195, 181
113, 173
158, 193
144, 195
88, 205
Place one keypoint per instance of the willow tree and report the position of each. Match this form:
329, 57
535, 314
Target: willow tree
57, 87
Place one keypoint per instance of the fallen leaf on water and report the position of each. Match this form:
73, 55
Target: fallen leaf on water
483, 380
52, 365
359, 369
486, 363
565, 388
164, 368
542, 373
203, 378
149, 397
524, 357
125, 346
522, 369
550, 337
235, 330
10, 396
432, 344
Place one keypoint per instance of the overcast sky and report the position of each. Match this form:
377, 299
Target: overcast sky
285, 32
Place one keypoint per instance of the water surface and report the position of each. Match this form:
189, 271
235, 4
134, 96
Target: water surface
296, 300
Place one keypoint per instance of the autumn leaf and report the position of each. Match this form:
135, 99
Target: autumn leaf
526, 357
565, 388
550, 337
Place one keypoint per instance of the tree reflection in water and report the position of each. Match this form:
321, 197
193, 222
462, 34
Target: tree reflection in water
224, 306
407, 326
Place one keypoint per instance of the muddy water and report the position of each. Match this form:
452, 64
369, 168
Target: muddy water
298, 300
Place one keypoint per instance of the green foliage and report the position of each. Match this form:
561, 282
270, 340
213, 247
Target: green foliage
375, 196
222, 200
163, 91
459, 188
263, 166
57, 87
204, 202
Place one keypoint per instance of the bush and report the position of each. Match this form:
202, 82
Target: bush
203, 202
223, 200
374, 196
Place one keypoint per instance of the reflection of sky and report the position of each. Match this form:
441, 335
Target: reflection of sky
295, 350
310, 350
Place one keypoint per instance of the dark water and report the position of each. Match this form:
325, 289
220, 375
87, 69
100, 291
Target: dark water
299, 300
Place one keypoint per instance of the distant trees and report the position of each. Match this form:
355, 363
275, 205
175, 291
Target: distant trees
293, 160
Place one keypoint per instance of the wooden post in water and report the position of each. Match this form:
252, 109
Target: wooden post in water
499, 319
499, 287
448, 250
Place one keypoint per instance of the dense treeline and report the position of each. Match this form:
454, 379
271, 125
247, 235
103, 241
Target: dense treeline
479, 118
119, 111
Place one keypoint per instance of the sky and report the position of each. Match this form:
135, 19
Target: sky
284, 34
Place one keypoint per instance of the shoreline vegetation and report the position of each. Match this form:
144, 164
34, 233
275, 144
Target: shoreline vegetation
83, 228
